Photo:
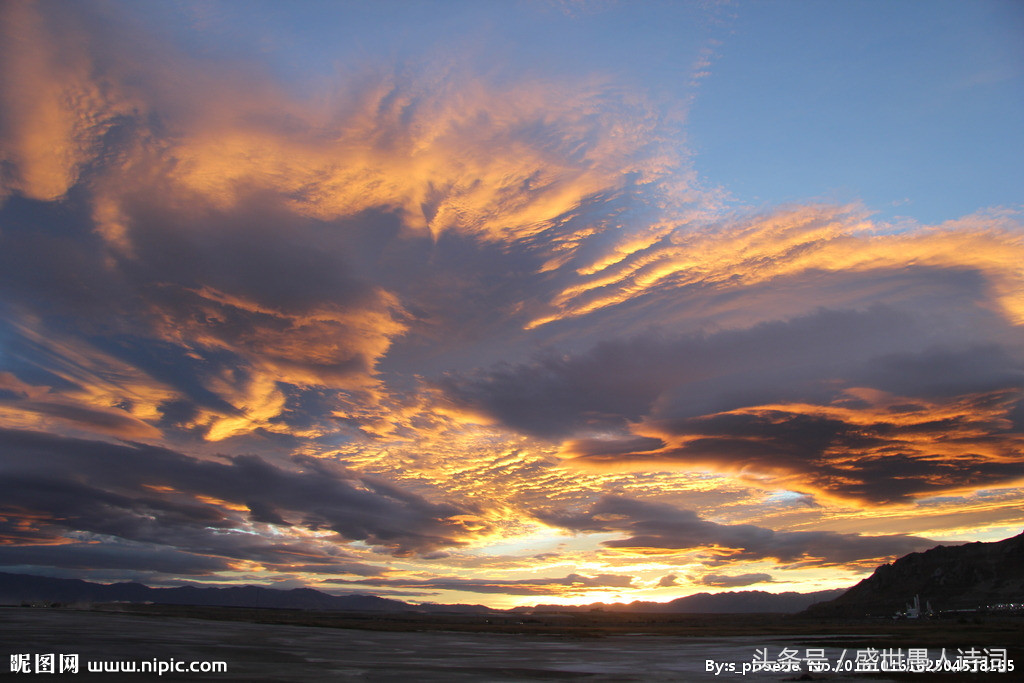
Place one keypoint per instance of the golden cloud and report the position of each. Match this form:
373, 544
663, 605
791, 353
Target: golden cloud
793, 242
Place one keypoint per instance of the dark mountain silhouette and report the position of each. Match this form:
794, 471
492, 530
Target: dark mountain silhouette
971, 576
21, 588
733, 602
17, 589
750, 601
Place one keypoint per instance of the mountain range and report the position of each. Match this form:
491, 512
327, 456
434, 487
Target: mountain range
25, 588
21, 588
969, 576
732, 602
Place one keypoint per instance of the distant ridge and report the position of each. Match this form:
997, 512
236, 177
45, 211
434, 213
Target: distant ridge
962, 577
732, 602
20, 588
16, 589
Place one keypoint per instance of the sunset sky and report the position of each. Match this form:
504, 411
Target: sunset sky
515, 302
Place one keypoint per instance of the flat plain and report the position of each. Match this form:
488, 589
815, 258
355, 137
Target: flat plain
292, 645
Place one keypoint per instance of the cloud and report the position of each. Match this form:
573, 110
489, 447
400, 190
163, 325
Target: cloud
909, 451
442, 146
436, 281
75, 386
275, 239
734, 581
122, 557
219, 319
863, 405
66, 489
618, 381
55, 114
788, 249
661, 527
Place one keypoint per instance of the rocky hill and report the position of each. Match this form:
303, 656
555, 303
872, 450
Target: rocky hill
970, 576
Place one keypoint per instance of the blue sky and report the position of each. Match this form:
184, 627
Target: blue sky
911, 107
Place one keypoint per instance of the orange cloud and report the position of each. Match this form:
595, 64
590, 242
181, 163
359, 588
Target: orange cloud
55, 112
451, 158
794, 242
868, 448
257, 265
332, 346
95, 391
199, 156
446, 149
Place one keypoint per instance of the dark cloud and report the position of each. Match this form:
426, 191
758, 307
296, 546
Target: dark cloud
50, 259
942, 372
119, 557
665, 527
558, 396
585, 448
149, 495
889, 457
839, 401
620, 381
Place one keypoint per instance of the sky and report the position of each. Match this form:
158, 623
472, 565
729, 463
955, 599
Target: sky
511, 302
